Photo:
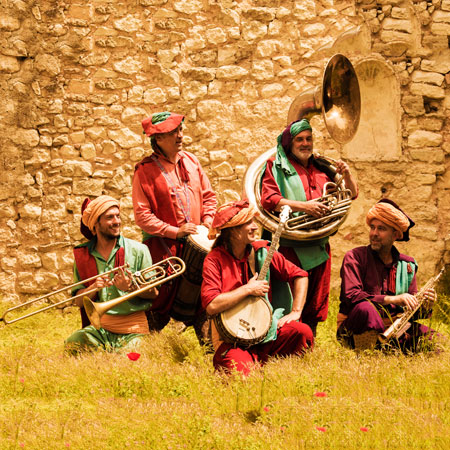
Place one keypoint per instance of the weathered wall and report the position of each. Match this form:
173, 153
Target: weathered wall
78, 77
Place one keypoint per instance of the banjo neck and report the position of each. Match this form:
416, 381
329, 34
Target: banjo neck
284, 216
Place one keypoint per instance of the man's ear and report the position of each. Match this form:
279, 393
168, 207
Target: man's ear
397, 234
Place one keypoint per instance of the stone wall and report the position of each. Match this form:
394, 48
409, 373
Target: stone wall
78, 77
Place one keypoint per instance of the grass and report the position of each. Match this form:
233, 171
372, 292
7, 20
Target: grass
170, 398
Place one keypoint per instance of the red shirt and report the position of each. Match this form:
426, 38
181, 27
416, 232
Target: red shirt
222, 272
312, 179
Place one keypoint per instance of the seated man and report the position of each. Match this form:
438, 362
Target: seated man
124, 324
378, 282
230, 276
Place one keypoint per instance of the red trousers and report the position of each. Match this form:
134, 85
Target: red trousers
294, 338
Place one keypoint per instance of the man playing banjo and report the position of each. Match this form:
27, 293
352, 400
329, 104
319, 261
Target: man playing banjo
230, 277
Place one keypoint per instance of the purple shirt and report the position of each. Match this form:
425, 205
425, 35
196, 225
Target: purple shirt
365, 277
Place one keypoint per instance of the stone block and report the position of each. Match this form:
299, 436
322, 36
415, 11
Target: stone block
391, 35
203, 74
8, 264
223, 170
76, 169
427, 77
154, 96
188, 6
231, 73
413, 105
30, 211
166, 57
50, 261
404, 26
25, 138
95, 133
68, 152
80, 86
193, 91
79, 12
427, 90
272, 90
125, 138
422, 138
226, 55
128, 24
313, 29
8, 23
260, 14
268, 48
9, 64
207, 109
440, 64
88, 151
262, 70
427, 154
29, 260
89, 187
440, 29
216, 36
441, 17
128, 66
253, 31
304, 10
94, 59
48, 64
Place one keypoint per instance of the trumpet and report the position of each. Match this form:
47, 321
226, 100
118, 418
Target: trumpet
144, 280
62, 302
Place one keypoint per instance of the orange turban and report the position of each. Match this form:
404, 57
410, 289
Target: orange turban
231, 214
391, 215
95, 208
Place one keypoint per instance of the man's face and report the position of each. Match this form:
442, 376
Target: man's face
382, 236
108, 224
171, 142
302, 146
246, 233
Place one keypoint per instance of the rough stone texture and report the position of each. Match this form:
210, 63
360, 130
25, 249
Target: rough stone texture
77, 78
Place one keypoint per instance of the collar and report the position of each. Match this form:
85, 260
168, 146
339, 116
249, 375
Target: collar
395, 256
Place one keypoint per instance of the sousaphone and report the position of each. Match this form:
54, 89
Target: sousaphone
338, 100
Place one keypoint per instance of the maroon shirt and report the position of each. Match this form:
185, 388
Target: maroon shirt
222, 272
311, 177
365, 277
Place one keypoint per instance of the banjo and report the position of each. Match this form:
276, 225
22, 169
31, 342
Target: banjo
248, 322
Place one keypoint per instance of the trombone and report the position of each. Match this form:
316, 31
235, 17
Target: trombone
144, 280
55, 305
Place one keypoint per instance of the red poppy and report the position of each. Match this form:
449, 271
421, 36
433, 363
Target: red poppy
320, 394
283, 428
133, 356
364, 429
266, 408
323, 429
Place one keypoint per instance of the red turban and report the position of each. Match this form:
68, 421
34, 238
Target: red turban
162, 122
230, 215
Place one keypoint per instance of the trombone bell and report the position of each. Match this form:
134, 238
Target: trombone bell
146, 279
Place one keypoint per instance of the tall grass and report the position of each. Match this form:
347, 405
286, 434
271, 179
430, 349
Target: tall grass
170, 398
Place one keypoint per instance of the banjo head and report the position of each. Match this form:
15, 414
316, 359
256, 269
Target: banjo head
246, 323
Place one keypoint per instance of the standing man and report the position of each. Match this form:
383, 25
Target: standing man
295, 177
126, 323
230, 276
378, 283
171, 196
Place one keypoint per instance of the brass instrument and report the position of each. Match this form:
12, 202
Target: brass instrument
55, 305
338, 100
402, 323
144, 280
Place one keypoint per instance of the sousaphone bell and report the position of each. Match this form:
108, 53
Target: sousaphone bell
338, 100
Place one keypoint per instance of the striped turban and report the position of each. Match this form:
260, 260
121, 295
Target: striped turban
92, 210
231, 214
390, 213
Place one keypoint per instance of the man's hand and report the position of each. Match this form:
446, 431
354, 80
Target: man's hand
257, 287
185, 229
406, 300
315, 209
430, 299
122, 280
292, 316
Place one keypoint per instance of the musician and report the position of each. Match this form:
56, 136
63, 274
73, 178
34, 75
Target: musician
378, 282
126, 323
230, 275
171, 196
295, 177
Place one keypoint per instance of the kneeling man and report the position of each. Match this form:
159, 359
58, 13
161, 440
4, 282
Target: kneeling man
379, 284
230, 274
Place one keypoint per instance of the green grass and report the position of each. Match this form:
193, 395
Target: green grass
171, 398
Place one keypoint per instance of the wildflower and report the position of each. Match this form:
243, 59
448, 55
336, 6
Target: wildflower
67, 444
364, 429
282, 428
323, 429
22, 444
266, 408
320, 394
133, 356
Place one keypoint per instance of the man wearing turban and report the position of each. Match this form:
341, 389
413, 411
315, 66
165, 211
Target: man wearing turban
230, 275
378, 282
296, 177
126, 323
171, 197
